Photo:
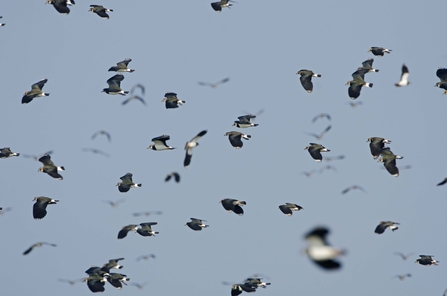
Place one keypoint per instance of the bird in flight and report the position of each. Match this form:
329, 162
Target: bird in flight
103, 133
39, 244
190, 146
320, 135
404, 77
215, 84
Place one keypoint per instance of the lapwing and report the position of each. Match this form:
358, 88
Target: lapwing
171, 101
50, 168
384, 225
442, 182
235, 138
2, 24
196, 224
376, 144
403, 276
123, 232
174, 175
103, 133
442, 75
233, 205
215, 84
357, 82
217, 6
403, 256
35, 92
319, 250
306, 79
71, 282
101, 11
114, 83
146, 257
146, 229
321, 115
39, 244
122, 66
127, 183
319, 136
96, 151
7, 153
140, 86
40, 206
190, 146
404, 77
95, 283
289, 208
236, 290
367, 65
139, 286
112, 264
389, 161
117, 280
315, 151
353, 187
331, 158
160, 143
96, 270
244, 121
147, 213
134, 98
256, 282
379, 51
426, 260
61, 5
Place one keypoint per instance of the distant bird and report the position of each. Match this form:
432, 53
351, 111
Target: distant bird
379, 51
40, 205
36, 157
114, 204
114, 83
104, 133
35, 92
190, 145
7, 153
376, 144
356, 84
127, 183
139, 286
217, 6
215, 84
196, 224
175, 175
306, 79
367, 65
96, 151
96, 283
389, 161
146, 230
233, 205
140, 86
404, 77
71, 282
171, 101
245, 121
309, 173
289, 208
442, 182
4, 210
315, 151
61, 5
122, 67
327, 167
402, 276
134, 98
384, 225
112, 264
319, 136
39, 244
427, 260
355, 104
146, 257
321, 115
160, 143
101, 11
404, 257
353, 187
256, 282
319, 250
123, 232
235, 138
442, 75
2, 24
148, 213
331, 158
49, 167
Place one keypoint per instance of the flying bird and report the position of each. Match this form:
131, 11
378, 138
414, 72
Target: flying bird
327, 167
404, 77
289, 208
319, 136
122, 67
148, 213
315, 151
146, 230
7, 153
127, 183
114, 83
321, 115
171, 101
442, 75
96, 282
146, 257
4, 210
215, 84
171, 175
442, 182
40, 206
355, 104
379, 51
123, 232
367, 65
245, 121
190, 145
140, 86
117, 279
49, 167
353, 187
2, 24
233, 205
160, 143
427, 260
139, 286
319, 250
36, 157
309, 173
39, 244
95, 151
306, 79
71, 282
376, 144
196, 224
331, 158
217, 6
403, 256
389, 161
61, 5
134, 98
112, 264
402, 276
114, 204
103, 133
384, 225
35, 92
101, 11
235, 138
357, 82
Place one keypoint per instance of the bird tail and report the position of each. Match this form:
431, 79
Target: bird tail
316, 75
368, 84
46, 94
126, 92
139, 185
61, 168
241, 202
255, 124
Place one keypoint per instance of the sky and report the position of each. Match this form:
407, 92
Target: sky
260, 45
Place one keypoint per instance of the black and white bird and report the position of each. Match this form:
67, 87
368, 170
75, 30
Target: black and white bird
196, 224
289, 208
306, 79
171, 101
2, 24
245, 121
39, 244
146, 230
49, 167
190, 146
125, 229
383, 225
320, 135
217, 6
389, 161
174, 175
357, 82
114, 83
117, 279
233, 205
376, 144
315, 151
160, 143
100, 10
7, 153
404, 77
235, 138
426, 260
127, 183
122, 66
35, 92
442, 75
112, 264
215, 84
40, 206
96, 282
61, 5
379, 51
367, 65
319, 250
104, 133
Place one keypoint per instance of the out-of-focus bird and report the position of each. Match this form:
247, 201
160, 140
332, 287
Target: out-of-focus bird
355, 104
7, 153
403, 256
35, 92
402, 276
404, 77
289, 208
328, 168
102, 133
379, 51
40, 206
196, 224
122, 67
215, 84
134, 98
96, 151
233, 205
123, 232
4, 210
331, 158
306, 79
315, 151
139, 286
71, 282
114, 204
127, 183
426, 260
442, 182
39, 244
174, 175
321, 115
2, 24
235, 138
442, 75
190, 146
101, 11
309, 173
319, 250
353, 187
160, 143
146, 257
384, 225
140, 86
320, 135
49, 167
36, 157
114, 88
171, 101
148, 213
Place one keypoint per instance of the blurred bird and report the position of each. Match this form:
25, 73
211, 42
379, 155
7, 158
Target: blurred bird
355, 104
7, 153
379, 51
123, 232
35, 92
327, 167
96, 151
49, 167
442, 182
71, 282
319, 250
426, 260
171, 101
190, 145
289, 208
404, 77
376, 144
233, 205
402, 276
101, 11
114, 203
61, 5
103, 133
175, 175
196, 224
356, 84
2, 24
39, 244
36, 157
146, 229
122, 66
404, 257
367, 65
315, 151
217, 6
127, 183
4, 210
442, 75
384, 225
353, 187
306, 79
134, 98
331, 158
321, 115
146, 257
389, 161
215, 84
139, 286
160, 143
309, 173
140, 86
114, 83
40, 206
148, 213
319, 136
235, 138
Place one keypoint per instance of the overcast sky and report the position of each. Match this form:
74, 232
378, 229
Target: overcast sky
260, 45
